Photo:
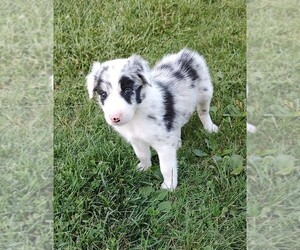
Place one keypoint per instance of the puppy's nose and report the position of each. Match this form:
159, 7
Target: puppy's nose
115, 118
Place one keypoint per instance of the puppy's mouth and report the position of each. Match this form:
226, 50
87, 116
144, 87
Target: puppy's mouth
117, 122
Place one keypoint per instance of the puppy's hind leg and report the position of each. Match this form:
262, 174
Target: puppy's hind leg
203, 113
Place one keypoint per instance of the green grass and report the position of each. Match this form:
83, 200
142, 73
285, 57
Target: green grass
26, 156
101, 201
273, 152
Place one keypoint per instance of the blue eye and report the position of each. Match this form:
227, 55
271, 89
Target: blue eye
127, 91
103, 94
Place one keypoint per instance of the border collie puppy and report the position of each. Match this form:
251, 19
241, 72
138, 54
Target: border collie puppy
149, 107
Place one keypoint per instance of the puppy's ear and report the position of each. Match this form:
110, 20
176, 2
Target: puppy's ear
140, 68
91, 79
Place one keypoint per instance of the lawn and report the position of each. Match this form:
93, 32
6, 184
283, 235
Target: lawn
26, 108
273, 152
100, 200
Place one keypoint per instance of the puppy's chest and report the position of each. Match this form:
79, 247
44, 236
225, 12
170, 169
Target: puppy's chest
142, 129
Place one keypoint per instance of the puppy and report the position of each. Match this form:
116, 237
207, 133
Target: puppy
149, 107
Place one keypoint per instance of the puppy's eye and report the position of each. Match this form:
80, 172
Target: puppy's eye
127, 91
103, 94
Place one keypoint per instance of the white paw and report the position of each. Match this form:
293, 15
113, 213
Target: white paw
168, 187
251, 128
143, 166
212, 128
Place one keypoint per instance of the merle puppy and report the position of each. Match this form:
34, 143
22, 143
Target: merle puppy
149, 107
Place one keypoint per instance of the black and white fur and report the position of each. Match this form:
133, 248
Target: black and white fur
149, 107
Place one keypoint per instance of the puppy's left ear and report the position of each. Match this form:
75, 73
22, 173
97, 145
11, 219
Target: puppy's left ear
91, 79
140, 68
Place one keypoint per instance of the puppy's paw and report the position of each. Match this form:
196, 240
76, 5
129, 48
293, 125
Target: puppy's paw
212, 128
168, 187
251, 128
143, 166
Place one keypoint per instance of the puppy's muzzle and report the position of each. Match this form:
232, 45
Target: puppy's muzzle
115, 118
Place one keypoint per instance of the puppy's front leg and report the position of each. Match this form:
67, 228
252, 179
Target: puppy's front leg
168, 166
142, 151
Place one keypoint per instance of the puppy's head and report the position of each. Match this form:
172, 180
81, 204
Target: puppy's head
119, 85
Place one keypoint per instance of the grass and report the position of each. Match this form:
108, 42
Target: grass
273, 152
101, 201
26, 157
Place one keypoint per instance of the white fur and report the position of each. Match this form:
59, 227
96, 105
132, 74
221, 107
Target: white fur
250, 128
152, 123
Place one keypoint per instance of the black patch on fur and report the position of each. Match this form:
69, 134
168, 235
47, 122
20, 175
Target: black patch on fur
192, 86
178, 75
144, 81
100, 80
127, 87
104, 69
205, 89
126, 82
170, 114
100, 91
103, 96
166, 66
138, 97
185, 63
137, 64
152, 117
